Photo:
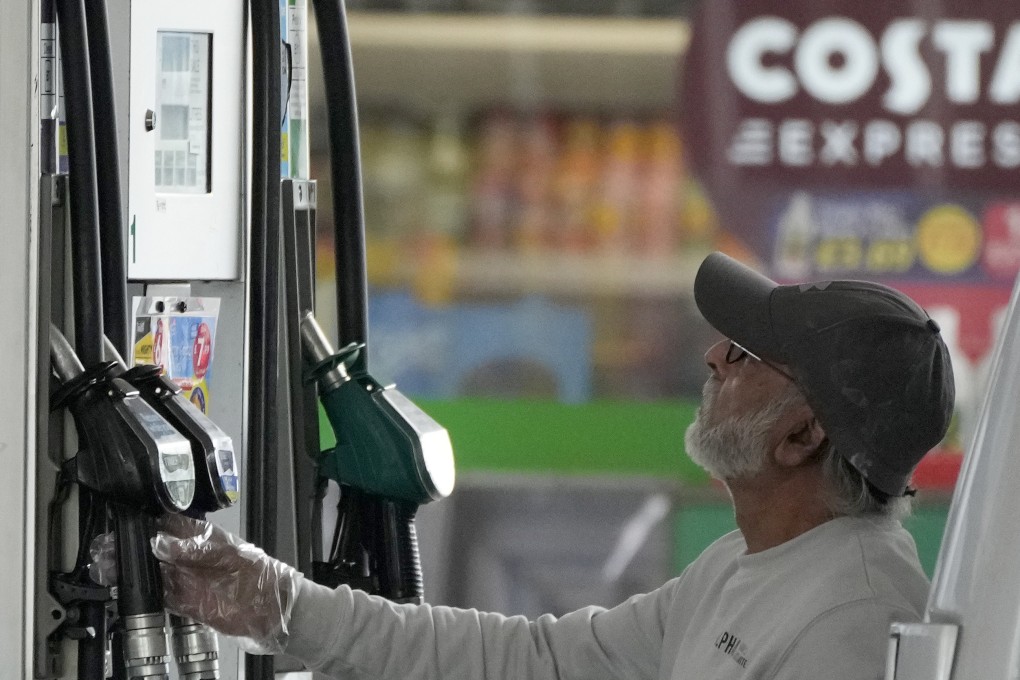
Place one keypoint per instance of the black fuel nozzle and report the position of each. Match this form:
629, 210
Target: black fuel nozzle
142, 466
375, 548
129, 453
217, 477
195, 647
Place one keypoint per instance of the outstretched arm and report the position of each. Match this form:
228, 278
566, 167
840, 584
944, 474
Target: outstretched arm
349, 633
233, 586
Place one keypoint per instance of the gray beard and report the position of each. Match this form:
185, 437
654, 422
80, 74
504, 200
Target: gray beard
738, 446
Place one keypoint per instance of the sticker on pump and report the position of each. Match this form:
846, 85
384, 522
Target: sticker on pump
178, 334
201, 353
226, 466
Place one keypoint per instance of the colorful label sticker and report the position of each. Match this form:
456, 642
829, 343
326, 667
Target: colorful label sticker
198, 398
892, 236
178, 335
160, 352
226, 465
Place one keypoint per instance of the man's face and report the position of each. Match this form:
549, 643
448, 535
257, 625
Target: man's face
737, 424
744, 386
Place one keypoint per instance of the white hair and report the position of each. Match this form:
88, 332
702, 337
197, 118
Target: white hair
850, 493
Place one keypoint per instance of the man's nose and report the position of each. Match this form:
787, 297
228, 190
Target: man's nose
715, 357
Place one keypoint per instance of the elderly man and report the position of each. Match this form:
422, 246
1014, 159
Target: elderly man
819, 405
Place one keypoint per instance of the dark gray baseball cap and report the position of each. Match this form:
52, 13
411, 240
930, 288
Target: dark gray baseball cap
871, 363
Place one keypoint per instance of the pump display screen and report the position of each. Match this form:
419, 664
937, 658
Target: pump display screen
182, 116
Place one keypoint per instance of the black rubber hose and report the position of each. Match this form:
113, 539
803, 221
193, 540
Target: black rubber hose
48, 164
92, 651
257, 294
264, 276
111, 219
86, 279
345, 173
304, 425
265, 285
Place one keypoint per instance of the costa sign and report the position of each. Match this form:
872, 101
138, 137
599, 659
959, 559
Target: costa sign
875, 140
837, 60
875, 95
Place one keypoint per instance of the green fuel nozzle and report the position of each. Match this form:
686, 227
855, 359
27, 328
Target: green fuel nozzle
386, 446
390, 458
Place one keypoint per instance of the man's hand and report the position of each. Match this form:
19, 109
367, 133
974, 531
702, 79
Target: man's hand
218, 579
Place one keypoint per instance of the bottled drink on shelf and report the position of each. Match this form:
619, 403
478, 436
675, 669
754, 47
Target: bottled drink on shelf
658, 221
617, 198
575, 184
533, 221
449, 168
492, 201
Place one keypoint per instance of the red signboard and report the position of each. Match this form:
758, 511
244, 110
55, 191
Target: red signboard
868, 140
879, 138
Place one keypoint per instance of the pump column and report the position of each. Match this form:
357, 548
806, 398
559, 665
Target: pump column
185, 208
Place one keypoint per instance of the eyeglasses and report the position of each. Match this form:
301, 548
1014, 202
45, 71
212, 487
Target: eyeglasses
735, 353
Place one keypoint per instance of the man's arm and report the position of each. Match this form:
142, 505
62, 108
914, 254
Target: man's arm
220, 580
350, 634
849, 642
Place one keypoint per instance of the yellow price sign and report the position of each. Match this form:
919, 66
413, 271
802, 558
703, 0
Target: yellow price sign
890, 255
948, 239
839, 254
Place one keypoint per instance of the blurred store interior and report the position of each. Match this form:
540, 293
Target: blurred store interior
534, 223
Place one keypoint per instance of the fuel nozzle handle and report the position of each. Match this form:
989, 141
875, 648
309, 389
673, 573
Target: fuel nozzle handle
140, 598
401, 543
375, 548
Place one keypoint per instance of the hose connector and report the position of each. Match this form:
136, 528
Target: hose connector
146, 654
196, 650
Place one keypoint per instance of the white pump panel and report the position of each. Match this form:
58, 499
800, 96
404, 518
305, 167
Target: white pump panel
184, 213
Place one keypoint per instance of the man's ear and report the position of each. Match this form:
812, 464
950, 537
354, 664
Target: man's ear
803, 437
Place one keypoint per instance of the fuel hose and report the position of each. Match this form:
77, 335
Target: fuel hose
263, 423
113, 267
345, 175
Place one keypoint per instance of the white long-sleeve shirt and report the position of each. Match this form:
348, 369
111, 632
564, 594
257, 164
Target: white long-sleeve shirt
817, 606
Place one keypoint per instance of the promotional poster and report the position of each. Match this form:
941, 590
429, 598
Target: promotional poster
178, 334
876, 141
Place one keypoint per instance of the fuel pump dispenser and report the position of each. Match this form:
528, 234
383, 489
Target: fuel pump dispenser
142, 447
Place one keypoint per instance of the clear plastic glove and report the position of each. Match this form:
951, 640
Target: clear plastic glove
225, 582
103, 567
